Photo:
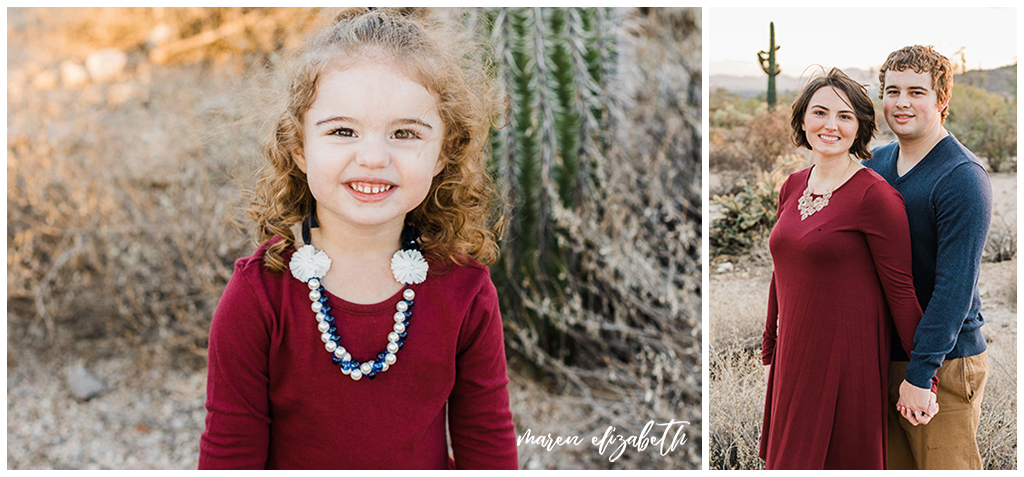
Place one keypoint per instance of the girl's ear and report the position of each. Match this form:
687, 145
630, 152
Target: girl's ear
300, 160
441, 162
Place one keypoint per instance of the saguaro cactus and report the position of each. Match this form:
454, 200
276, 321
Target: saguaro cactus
768, 64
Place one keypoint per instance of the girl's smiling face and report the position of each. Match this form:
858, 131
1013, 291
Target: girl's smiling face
372, 144
830, 123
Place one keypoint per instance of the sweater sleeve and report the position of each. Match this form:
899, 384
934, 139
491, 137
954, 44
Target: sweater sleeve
237, 431
771, 330
771, 324
479, 416
962, 201
883, 221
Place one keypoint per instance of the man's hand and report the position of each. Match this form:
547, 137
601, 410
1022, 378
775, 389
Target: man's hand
917, 405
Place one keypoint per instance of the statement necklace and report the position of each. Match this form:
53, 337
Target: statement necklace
808, 206
309, 265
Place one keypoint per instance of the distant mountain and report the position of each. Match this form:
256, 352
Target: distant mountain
1000, 80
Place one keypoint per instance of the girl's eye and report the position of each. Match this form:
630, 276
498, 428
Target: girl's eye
819, 113
343, 132
405, 134
846, 117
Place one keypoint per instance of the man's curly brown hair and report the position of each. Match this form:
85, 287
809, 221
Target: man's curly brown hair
456, 219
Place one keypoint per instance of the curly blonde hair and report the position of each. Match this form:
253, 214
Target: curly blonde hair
456, 219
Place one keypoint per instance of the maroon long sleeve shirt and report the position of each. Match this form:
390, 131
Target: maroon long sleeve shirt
275, 400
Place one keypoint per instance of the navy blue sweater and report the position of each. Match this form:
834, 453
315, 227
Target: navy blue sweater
949, 207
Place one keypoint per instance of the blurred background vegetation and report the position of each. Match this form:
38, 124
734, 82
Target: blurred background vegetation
751, 152
132, 135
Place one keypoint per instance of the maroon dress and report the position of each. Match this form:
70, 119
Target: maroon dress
838, 275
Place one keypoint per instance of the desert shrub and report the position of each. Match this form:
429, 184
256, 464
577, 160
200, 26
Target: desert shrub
769, 138
748, 141
1002, 240
749, 214
985, 123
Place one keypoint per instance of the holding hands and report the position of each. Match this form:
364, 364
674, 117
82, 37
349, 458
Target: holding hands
916, 404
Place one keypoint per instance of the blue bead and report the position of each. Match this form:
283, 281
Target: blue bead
329, 319
333, 329
336, 360
400, 343
402, 334
326, 308
408, 313
377, 367
380, 355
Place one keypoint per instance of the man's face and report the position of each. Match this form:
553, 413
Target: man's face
911, 106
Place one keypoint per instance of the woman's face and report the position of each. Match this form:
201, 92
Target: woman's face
830, 123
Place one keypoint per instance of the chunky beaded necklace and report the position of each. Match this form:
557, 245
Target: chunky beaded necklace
309, 265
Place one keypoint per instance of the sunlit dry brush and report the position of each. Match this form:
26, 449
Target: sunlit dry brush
121, 195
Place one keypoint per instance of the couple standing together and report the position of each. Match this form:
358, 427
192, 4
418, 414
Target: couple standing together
873, 348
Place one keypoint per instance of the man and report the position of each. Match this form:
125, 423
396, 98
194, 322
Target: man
949, 207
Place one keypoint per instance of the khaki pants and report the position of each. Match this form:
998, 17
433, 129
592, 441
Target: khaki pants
950, 440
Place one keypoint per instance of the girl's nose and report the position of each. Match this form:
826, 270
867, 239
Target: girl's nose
830, 123
373, 153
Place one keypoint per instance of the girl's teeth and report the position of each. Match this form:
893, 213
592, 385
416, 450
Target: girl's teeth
370, 190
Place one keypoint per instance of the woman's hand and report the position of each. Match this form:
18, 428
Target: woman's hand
916, 404
767, 372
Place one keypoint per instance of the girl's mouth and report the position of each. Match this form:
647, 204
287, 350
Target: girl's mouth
829, 139
370, 191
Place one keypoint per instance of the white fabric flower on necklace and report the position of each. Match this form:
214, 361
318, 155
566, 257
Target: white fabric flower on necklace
308, 262
409, 266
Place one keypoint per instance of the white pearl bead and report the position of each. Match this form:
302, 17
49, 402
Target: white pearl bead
408, 294
313, 284
317, 306
390, 358
323, 326
340, 352
356, 374
366, 368
321, 316
345, 371
393, 347
399, 317
314, 295
331, 346
402, 306
325, 337
346, 357
384, 367
399, 327
392, 337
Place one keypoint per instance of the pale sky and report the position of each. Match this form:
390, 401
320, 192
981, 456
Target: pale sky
855, 37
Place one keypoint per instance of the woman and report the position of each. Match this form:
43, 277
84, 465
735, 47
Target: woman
841, 280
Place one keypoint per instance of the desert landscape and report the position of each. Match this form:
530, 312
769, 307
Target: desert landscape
133, 136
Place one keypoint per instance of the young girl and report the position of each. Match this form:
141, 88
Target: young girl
364, 331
